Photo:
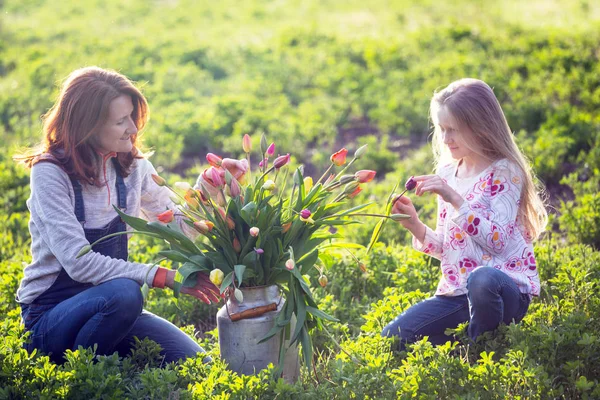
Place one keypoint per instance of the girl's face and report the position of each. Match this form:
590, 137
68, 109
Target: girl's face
453, 137
115, 135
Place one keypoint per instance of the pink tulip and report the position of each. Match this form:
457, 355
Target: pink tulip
263, 163
254, 231
305, 213
234, 188
217, 177
214, 159
289, 264
281, 161
247, 143
271, 150
237, 168
365, 175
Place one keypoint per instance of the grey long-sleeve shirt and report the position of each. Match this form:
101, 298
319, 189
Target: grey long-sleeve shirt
57, 236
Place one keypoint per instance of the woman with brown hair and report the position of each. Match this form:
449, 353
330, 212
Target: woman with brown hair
88, 161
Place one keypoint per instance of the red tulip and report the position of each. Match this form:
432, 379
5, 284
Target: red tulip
365, 175
355, 192
339, 158
166, 216
214, 159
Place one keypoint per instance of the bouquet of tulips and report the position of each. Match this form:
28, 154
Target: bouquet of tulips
268, 231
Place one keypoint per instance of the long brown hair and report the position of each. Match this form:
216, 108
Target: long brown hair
473, 105
71, 126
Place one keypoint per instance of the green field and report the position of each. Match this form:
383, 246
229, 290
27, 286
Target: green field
316, 76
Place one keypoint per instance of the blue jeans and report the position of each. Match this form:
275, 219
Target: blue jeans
109, 315
492, 297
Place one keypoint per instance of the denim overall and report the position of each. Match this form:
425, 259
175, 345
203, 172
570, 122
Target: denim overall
109, 315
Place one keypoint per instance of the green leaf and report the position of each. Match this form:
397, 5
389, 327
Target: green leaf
238, 295
306, 347
308, 260
318, 313
300, 315
239, 272
375, 235
174, 255
172, 235
274, 330
227, 281
145, 291
134, 222
248, 212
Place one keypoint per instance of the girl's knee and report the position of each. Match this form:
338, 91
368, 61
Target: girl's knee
125, 295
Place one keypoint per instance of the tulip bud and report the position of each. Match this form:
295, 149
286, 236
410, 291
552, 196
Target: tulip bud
166, 216
191, 198
365, 175
271, 150
254, 231
351, 187
214, 159
308, 184
360, 151
158, 180
216, 277
286, 227
84, 250
281, 161
399, 217
410, 183
247, 143
339, 158
234, 188
263, 143
344, 179
182, 186
203, 226
356, 192
306, 213
362, 267
237, 246
263, 162
218, 181
259, 251
323, 280
290, 264
268, 185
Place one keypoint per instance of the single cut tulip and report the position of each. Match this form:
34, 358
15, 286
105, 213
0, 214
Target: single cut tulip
216, 276
214, 160
166, 216
339, 157
158, 180
365, 175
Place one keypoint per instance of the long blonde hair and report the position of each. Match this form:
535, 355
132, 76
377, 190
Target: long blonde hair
473, 105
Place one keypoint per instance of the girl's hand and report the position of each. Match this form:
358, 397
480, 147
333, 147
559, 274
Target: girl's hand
404, 205
435, 184
204, 289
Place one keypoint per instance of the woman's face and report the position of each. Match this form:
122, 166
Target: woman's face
116, 133
452, 136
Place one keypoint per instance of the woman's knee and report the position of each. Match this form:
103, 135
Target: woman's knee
125, 295
481, 282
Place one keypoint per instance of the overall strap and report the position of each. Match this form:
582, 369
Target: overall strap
79, 209
121, 189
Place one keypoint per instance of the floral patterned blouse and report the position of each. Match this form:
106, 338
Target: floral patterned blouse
484, 231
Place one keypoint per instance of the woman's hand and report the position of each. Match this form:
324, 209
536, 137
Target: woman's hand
435, 184
404, 205
204, 289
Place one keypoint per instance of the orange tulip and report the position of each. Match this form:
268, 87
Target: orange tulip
286, 227
355, 192
339, 158
166, 216
323, 280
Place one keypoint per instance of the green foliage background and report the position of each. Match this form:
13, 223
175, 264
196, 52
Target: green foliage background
316, 76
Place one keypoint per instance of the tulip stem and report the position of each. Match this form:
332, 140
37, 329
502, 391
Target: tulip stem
125, 233
324, 174
398, 198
